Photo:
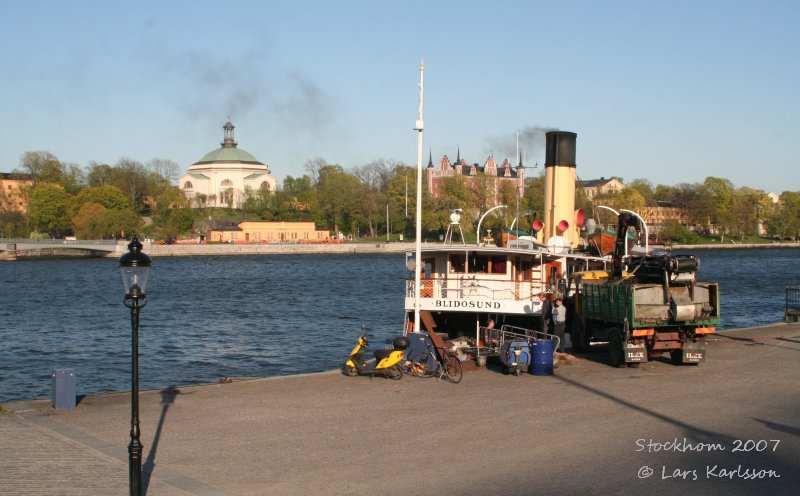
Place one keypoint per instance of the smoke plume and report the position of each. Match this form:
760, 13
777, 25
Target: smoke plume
531, 145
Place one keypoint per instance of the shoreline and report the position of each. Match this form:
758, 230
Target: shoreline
395, 247
361, 248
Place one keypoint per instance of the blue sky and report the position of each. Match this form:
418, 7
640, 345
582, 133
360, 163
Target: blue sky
671, 92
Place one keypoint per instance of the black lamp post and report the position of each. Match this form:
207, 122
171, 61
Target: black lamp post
135, 267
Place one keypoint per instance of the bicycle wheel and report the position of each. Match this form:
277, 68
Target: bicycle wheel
452, 369
425, 367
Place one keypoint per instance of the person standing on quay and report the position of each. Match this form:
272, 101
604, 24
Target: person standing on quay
559, 322
547, 312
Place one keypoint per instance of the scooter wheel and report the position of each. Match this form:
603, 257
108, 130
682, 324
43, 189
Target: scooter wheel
397, 372
349, 371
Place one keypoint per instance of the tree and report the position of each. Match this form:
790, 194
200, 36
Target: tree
99, 174
90, 222
175, 221
696, 202
110, 197
52, 172
124, 221
131, 177
482, 189
48, 210
784, 221
746, 209
533, 196
13, 225
645, 188
33, 163
720, 192
301, 193
674, 231
401, 195
628, 199
664, 193
314, 166
375, 178
376, 174
339, 195
168, 169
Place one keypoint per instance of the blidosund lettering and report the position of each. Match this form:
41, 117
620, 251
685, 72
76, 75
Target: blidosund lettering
494, 305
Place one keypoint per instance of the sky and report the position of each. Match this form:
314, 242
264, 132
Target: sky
671, 92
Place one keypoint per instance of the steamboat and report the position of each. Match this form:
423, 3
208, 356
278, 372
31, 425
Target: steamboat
463, 288
473, 299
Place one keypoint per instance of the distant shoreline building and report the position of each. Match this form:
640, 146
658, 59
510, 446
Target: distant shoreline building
13, 191
503, 173
269, 232
594, 187
222, 176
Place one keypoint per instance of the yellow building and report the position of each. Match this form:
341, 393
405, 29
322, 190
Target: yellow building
594, 187
269, 232
13, 192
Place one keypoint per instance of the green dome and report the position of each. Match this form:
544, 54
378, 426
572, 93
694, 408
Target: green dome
226, 154
229, 151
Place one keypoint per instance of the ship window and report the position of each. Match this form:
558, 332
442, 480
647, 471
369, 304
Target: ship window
479, 263
524, 270
457, 263
499, 265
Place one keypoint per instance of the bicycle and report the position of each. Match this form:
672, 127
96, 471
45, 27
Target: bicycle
430, 365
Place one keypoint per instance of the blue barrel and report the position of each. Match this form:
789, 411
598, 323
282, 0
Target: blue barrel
542, 357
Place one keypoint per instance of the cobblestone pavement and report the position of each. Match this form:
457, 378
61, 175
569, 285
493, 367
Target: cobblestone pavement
40, 457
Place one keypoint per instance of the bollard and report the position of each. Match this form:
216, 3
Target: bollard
63, 388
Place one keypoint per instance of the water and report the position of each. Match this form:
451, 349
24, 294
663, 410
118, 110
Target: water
242, 316
205, 318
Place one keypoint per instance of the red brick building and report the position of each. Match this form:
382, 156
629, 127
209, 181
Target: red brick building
504, 172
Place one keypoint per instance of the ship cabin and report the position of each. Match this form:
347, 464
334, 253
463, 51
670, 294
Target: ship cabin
462, 287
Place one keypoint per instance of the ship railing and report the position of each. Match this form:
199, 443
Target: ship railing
466, 289
792, 313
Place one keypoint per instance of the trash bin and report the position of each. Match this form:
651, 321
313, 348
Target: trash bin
63, 388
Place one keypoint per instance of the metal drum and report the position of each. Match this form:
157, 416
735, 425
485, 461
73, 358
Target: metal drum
542, 357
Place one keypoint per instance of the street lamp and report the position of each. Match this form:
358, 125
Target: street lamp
135, 267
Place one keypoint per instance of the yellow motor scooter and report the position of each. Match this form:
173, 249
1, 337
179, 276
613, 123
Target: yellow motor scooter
388, 363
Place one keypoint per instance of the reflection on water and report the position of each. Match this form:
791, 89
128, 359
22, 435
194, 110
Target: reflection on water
241, 316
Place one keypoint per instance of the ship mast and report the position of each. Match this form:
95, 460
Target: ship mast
418, 241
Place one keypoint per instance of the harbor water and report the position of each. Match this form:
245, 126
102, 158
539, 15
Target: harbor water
208, 318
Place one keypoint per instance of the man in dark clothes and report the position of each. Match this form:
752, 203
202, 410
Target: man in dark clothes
547, 312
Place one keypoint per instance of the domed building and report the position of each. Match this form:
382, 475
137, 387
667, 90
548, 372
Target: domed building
220, 178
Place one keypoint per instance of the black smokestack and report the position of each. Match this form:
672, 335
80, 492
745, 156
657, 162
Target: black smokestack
560, 148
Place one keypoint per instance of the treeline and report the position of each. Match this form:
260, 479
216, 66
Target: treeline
368, 201
99, 202
716, 207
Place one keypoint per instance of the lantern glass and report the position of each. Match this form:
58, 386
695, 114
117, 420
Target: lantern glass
134, 278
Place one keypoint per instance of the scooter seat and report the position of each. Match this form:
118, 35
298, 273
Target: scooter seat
381, 354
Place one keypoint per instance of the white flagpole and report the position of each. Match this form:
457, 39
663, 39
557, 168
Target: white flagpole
418, 242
